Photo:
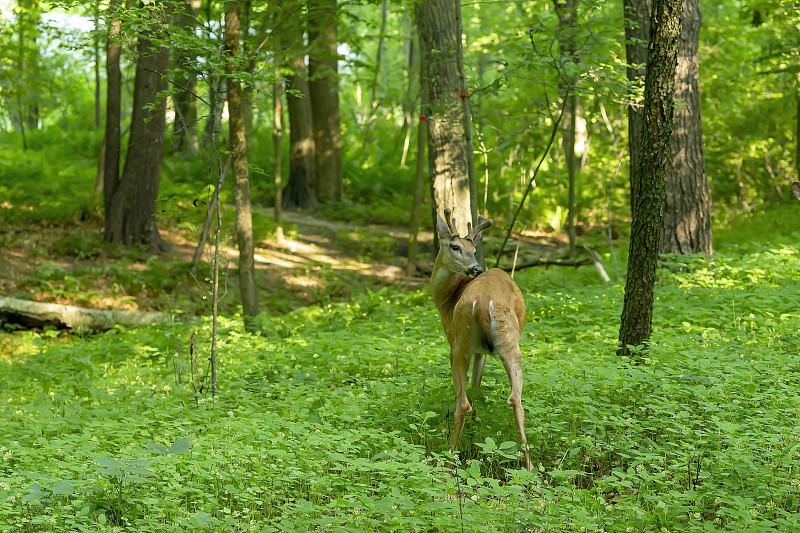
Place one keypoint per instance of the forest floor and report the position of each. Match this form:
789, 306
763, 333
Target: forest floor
319, 261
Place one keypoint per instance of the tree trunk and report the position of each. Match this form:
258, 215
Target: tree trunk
687, 213
218, 87
299, 191
441, 68
411, 94
379, 61
131, 219
185, 137
238, 144
637, 313
113, 113
323, 68
567, 11
637, 35
572, 168
277, 137
98, 120
416, 206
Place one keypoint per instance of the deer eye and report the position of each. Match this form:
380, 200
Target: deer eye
454, 247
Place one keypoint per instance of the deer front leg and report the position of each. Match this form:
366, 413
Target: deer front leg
459, 364
512, 361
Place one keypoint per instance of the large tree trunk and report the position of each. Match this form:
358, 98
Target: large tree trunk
300, 190
131, 219
637, 312
323, 68
439, 24
238, 143
113, 113
687, 213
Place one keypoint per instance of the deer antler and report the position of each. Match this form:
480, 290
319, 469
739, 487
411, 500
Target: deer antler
474, 233
451, 222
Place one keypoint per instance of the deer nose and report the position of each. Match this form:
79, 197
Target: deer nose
476, 270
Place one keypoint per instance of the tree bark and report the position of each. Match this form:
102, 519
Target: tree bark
687, 213
113, 113
637, 313
323, 68
41, 314
567, 11
441, 68
300, 190
238, 146
131, 218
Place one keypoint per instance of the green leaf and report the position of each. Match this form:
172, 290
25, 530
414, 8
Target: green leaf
62, 488
182, 445
107, 462
156, 448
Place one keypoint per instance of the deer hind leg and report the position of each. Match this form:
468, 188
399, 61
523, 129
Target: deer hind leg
477, 370
459, 364
512, 361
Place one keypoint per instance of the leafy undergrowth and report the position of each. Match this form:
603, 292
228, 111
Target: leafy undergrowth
336, 418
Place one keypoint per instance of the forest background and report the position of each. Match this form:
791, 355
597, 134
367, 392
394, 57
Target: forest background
694, 434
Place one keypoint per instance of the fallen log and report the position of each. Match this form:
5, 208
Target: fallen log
593, 259
38, 314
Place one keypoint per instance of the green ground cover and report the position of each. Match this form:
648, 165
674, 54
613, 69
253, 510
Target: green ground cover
336, 418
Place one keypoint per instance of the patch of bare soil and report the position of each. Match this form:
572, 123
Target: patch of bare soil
321, 261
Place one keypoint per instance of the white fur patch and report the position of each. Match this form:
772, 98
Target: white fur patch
474, 302
492, 318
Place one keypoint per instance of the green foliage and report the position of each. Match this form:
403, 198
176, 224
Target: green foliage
50, 181
336, 417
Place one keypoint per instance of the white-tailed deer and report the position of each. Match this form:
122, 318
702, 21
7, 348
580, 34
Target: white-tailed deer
796, 189
481, 312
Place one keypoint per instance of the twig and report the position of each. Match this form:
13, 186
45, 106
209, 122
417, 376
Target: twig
533, 178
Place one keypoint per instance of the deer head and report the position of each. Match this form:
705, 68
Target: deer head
481, 312
796, 189
458, 253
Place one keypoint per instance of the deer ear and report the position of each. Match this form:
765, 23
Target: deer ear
442, 229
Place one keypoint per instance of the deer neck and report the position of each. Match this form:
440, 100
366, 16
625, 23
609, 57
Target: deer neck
446, 288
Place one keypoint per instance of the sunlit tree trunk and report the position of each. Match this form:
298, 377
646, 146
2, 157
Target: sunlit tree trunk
449, 153
637, 314
131, 218
323, 69
238, 147
687, 212
277, 137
